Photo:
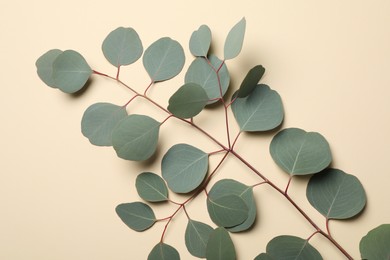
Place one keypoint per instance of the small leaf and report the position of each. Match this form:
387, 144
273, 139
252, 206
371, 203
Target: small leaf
151, 187
122, 46
196, 237
227, 211
250, 81
375, 245
164, 59
136, 215
184, 167
99, 120
220, 246
335, 194
234, 40
264, 256
44, 66
70, 71
135, 137
200, 41
163, 251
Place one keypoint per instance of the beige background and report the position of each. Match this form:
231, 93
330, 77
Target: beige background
329, 60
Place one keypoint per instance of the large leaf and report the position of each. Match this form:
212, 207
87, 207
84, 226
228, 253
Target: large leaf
375, 245
220, 246
99, 120
136, 215
163, 251
196, 237
44, 66
264, 256
135, 137
122, 46
262, 110
188, 101
200, 41
250, 81
234, 40
184, 167
335, 194
227, 211
292, 248
70, 71
164, 59
204, 74
299, 152
151, 187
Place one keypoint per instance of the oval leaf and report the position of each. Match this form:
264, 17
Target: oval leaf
234, 40
164, 59
135, 137
163, 251
151, 187
375, 245
184, 167
196, 237
44, 66
220, 246
99, 120
250, 81
122, 46
188, 101
200, 41
264, 256
335, 194
227, 211
136, 215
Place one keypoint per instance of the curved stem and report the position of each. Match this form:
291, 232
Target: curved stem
327, 227
288, 184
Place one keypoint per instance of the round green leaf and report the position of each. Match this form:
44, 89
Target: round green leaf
375, 245
234, 40
335, 194
99, 120
200, 41
163, 251
291, 247
220, 246
188, 101
164, 59
151, 187
70, 71
136, 215
122, 46
135, 137
264, 256
299, 152
44, 66
250, 81
204, 74
196, 237
184, 167
262, 110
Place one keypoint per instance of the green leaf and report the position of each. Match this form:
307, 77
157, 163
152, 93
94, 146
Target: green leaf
44, 66
184, 167
335, 194
151, 187
204, 74
136, 215
234, 40
220, 246
200, 41
163, 251
227, 211
122, 46
292, 248
70, 71
135, 137
196, 237
264, 256
164, 59
375, 245
250, 81
299, 152
99, 120
188, 101
262, 110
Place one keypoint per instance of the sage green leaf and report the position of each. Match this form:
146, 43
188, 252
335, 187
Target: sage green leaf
164, 59
196, 237
44, 66
122, 46
70, 71
234, 40
136, 215
163, 251
375, 245
264, 256
220, 246
262, 110
250, 81
227, 211
135, 137
184, 167
299, 152
292, 248
336, 194
151, 187
200, 41
99, 120
204, 74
